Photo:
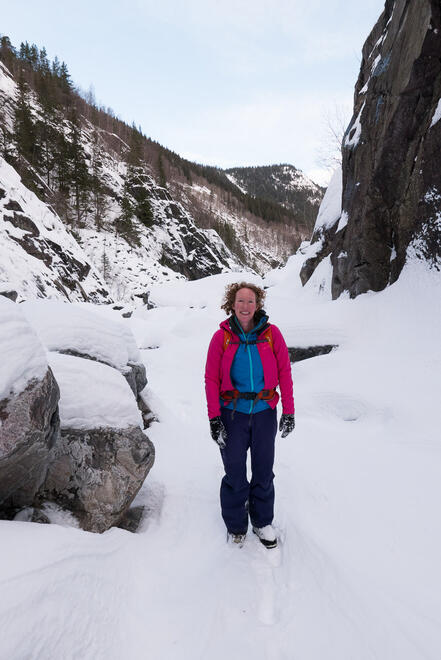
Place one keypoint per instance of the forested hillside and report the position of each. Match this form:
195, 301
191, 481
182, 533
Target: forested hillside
109, 182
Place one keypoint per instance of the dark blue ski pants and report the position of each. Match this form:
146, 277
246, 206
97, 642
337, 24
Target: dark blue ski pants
236, 493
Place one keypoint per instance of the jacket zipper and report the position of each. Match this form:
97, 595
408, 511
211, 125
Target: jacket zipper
251, 369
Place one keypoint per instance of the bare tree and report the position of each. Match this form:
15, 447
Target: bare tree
334, 125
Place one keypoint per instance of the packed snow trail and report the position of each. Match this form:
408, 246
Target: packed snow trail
356, 574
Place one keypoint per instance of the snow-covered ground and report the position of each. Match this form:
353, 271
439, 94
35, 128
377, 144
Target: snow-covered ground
357, 575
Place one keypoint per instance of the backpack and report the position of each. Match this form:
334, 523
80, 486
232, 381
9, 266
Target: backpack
268, 337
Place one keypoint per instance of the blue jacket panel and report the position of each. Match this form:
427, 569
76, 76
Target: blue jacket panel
247, 371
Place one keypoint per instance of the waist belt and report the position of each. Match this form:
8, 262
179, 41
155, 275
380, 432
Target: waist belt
234, 395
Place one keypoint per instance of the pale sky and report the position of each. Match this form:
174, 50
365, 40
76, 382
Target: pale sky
231, 83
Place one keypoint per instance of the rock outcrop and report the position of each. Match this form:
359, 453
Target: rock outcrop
29, 422
391, 200
28, 431
43, 257
97, 473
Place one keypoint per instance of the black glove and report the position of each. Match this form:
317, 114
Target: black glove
286, 424
218, 431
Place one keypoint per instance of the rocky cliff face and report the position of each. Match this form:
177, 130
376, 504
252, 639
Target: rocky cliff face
39, 257
391, 198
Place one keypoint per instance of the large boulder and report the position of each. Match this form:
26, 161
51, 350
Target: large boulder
97, 473
95, 333
29, 422
103, 456
391, 199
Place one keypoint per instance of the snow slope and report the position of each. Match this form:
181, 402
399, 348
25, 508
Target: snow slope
26, 270
357, 572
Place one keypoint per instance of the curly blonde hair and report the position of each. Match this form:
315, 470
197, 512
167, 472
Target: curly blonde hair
232, 289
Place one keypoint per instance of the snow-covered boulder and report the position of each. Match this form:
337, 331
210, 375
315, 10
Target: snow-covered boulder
103, 457
84, 332
29, 422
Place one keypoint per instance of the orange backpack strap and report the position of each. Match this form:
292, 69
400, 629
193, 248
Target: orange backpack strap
269, 337
227, 339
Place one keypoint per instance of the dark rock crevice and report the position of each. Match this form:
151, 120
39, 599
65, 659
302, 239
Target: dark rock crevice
297, 354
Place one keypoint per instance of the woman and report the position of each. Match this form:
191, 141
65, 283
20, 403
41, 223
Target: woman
247, 359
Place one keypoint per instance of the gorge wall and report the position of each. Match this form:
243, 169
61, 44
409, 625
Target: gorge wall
391, 195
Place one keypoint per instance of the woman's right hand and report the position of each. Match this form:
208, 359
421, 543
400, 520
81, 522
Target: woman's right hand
218, 431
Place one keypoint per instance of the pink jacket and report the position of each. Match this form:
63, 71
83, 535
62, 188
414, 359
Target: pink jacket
276, 369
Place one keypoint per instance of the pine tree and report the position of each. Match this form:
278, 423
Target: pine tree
62, 181
47, 137
143, 208
63, 165
8, 53
81, 180
134, 187
105, 262
97, 188
134, 156
187, 173
56, 67
161, 172
34, 56
124, 223
5, 135
43, 63
45, 84
24, 52
66, 81
25, 134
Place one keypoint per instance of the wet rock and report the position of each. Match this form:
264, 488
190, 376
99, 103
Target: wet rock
131, 520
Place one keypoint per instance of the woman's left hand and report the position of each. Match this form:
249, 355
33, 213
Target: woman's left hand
286, 424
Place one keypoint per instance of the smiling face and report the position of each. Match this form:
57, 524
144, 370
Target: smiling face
244, 307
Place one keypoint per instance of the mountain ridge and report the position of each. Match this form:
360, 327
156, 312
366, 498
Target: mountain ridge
109, 183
